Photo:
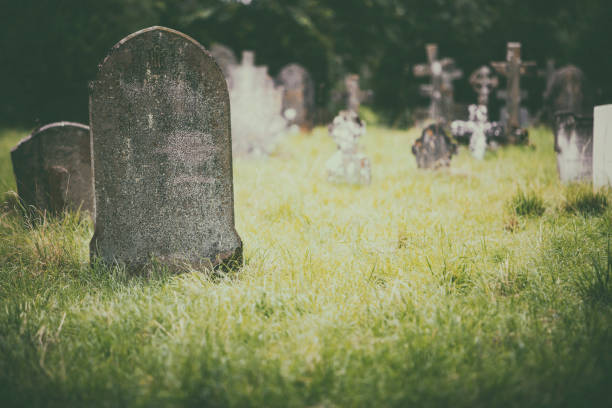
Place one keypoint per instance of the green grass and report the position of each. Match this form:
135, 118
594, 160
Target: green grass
412, 291
528, 204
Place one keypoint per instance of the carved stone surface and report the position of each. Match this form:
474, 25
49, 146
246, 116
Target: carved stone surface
574, 147
348, 165
162, 158
53, 168
298, 95
434, 148
602, 146
257, 121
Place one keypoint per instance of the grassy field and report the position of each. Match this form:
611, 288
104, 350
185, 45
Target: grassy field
485, 285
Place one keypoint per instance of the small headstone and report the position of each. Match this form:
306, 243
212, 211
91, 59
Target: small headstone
348, 165
567, 91
162, 159
515, 117
602, 146
574, 147
434, 148
224, 56
52, 168
298, 96
354, 95
257, 121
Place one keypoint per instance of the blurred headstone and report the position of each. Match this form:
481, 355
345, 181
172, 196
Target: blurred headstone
602, 146
568, 91
224, 56
348, 165
483, 83
257, 121
574, 147
442, 72
478, 132
514, 117
298, 96
434, 149
355, 96
162, 159
52, 168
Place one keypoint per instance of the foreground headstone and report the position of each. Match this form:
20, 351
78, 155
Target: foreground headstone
298, 96
257, 121
434, 148
348, 165
574, 147
160, 126
53, 168
602, 146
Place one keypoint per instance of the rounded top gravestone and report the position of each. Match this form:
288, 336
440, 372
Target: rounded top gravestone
52, 168
162, 155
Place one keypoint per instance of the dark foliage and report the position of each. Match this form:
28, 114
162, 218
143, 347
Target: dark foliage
49, 49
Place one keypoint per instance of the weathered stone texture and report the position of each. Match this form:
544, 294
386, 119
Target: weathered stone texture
162, 157
298, 95
434, 148
53, 168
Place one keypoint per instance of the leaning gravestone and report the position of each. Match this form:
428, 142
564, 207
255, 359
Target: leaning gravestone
53, 168
298, 95
160, 126
602, 146
434, 148
574, 147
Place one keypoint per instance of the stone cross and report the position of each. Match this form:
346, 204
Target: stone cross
440, 91
348, 165
512, 69
52, 168
160, 129
483, 83
354, 94
257, 104
602, 146
298, 96
574, 147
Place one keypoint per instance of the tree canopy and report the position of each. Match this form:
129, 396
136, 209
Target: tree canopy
50, 49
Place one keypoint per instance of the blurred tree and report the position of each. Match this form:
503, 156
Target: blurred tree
49, 49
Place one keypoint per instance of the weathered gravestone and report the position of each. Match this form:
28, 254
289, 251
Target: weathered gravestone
298, 96
224, 56
257, 121
574, 147
514, 117
602, 146
348, 165
440, 91
568, 91
434, 148
162, 158
52, 168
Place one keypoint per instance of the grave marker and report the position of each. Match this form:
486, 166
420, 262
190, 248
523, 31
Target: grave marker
515, 118
602, 146
52, 168
574, 147
298, 96
162, 159
483, 83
